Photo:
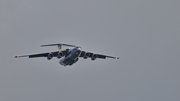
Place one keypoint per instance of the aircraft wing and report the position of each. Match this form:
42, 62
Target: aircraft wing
55, 54
101, 56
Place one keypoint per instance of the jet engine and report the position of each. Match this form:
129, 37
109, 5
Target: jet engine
86, 55
94, 56
50, 56
60, 54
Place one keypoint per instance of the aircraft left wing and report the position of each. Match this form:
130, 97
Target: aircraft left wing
55, 54
101, 56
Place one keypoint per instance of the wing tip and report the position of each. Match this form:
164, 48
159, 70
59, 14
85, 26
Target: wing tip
43, 45
17, 56
21, 56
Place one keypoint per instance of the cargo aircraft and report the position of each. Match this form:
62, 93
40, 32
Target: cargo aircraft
68, 56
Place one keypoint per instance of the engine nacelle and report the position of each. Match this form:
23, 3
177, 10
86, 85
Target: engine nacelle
60, 54
50, 56
86, 55
94, 56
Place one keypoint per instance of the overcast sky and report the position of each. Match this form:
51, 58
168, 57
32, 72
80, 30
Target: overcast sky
145, 34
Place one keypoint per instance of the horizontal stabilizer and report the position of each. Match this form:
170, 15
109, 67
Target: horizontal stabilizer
59, 45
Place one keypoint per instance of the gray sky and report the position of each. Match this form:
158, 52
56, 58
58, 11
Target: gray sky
144, 34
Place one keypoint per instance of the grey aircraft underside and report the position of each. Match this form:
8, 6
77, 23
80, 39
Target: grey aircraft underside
68, 56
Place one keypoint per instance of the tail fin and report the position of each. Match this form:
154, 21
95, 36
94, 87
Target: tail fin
59, 45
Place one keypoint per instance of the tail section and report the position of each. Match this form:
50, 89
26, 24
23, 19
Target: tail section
59, 45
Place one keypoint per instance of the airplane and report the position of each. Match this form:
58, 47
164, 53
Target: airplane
68, 56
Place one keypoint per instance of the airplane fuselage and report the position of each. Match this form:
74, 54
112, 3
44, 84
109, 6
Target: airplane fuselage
71, 57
